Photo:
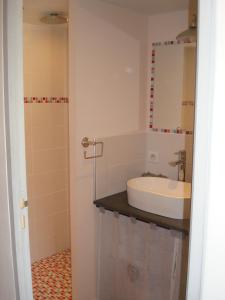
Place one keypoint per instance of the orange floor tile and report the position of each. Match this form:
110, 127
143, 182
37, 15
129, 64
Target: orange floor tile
52, 277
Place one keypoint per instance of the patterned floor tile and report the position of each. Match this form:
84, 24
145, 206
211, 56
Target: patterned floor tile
52, 277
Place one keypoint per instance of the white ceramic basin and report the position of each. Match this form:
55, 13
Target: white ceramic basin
161, 196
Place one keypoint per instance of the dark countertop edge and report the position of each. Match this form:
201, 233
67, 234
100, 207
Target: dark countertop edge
119, 203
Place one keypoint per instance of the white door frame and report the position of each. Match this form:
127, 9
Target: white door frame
8, 283
207, 249
14, 140
207, 242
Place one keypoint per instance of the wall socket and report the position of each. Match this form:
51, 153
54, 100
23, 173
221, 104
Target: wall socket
153, 157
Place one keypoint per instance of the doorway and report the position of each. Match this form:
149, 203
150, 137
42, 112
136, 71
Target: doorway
45, 41
209, 13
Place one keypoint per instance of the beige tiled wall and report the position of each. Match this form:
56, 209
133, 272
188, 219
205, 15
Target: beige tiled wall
45, 60
46, 125
46, 128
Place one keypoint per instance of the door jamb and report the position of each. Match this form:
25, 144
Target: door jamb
15, 141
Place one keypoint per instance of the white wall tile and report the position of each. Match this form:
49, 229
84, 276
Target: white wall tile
123, 158
127, 156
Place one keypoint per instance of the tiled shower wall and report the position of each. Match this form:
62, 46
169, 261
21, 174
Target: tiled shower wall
45, 60
46, 129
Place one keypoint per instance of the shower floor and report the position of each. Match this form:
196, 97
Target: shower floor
51, 277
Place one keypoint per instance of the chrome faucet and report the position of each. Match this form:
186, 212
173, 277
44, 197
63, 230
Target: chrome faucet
181, 163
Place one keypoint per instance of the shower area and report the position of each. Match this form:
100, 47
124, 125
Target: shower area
47, 147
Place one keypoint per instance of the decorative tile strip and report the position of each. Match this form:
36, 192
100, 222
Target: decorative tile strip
177, 131
151, 125
46, 100
186, 103
167, 43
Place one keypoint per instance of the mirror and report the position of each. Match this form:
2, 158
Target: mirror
173, 87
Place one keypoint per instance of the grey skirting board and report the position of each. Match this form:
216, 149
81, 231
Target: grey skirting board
119, 203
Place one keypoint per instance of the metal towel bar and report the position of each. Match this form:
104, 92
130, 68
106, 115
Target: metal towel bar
86, 142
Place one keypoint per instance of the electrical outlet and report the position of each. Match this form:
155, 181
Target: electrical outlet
153, 157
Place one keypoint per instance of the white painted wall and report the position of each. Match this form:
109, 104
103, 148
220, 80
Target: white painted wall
108, 51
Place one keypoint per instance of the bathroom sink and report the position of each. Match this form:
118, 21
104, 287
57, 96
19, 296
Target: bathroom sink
161, 196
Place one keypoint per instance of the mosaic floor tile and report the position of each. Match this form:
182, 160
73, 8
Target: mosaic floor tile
52, 277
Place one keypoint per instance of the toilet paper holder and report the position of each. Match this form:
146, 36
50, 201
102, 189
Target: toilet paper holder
86, 142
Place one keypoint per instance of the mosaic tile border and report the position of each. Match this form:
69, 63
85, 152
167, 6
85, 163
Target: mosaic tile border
46, 100
185, 103
188, 103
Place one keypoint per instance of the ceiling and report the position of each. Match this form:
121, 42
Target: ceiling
151, 7
35, 9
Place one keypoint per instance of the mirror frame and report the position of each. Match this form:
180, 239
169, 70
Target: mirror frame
177, 130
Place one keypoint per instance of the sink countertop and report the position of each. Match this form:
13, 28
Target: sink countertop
119, 203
